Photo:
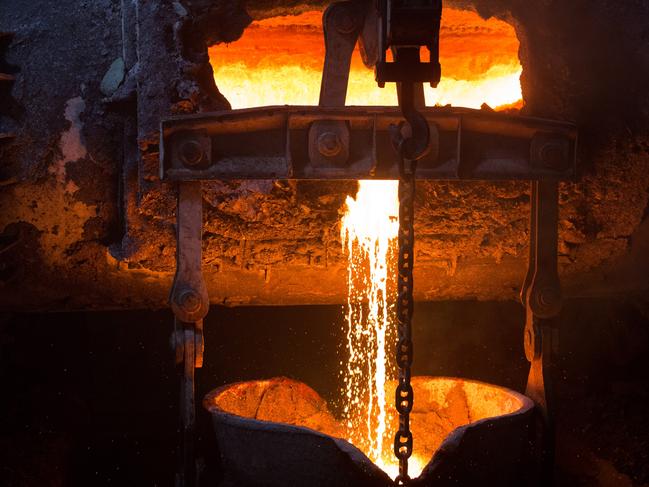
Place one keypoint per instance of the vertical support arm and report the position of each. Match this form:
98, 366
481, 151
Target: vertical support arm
342, 23
190, 303
541, 295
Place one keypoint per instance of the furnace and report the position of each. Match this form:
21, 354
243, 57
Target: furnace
403, 243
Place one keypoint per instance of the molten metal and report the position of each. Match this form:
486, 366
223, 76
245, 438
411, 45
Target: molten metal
368, 231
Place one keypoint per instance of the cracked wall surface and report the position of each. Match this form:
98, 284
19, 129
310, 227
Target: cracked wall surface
86, 223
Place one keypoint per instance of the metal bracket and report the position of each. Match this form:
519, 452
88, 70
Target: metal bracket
409, 25
342, 23
190, 304
541, 295
189, 300
329, 139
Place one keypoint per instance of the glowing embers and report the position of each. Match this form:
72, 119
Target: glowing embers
279, 61
368, 231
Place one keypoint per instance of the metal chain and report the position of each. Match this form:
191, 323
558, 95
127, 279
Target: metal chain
404, 394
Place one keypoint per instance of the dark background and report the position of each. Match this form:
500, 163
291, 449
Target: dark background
91, 398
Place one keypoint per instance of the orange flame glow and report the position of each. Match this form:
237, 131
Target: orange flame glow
368, 230
279, 61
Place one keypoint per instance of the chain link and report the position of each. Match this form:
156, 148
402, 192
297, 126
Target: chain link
404, 395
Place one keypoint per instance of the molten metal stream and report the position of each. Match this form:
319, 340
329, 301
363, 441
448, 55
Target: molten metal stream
368, 231
279, 61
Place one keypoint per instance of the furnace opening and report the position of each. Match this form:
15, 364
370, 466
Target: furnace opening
279, 61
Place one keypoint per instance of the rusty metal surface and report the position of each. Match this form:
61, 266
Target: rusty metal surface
403, 27
7, 104
272, 143
541, 295
189, 299
190, 303
342, 24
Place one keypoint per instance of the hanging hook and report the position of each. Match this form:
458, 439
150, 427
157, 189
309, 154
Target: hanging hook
411, 137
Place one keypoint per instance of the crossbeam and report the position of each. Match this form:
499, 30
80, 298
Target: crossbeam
308, 142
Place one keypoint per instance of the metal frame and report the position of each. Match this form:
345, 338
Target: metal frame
291, 142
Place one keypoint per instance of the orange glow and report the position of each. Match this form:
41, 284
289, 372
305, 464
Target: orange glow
368, 231
279, 61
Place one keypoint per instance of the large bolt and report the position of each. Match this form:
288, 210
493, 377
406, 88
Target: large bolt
545, 301
189, 301
191, 152
552, 155
549, 297
549, 300
329, 144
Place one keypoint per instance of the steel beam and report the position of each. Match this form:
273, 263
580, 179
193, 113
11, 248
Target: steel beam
275, 143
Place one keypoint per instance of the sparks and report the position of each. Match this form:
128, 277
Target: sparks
368, 233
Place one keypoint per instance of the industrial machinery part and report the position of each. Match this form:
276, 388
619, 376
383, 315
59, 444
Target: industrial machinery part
405, 26
541, 296
190, 303
337, 142
404, 394
276, 143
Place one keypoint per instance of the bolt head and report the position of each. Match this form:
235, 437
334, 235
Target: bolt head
545, 300
189, 301
552, 155
329, 144
191, 152
549, 298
